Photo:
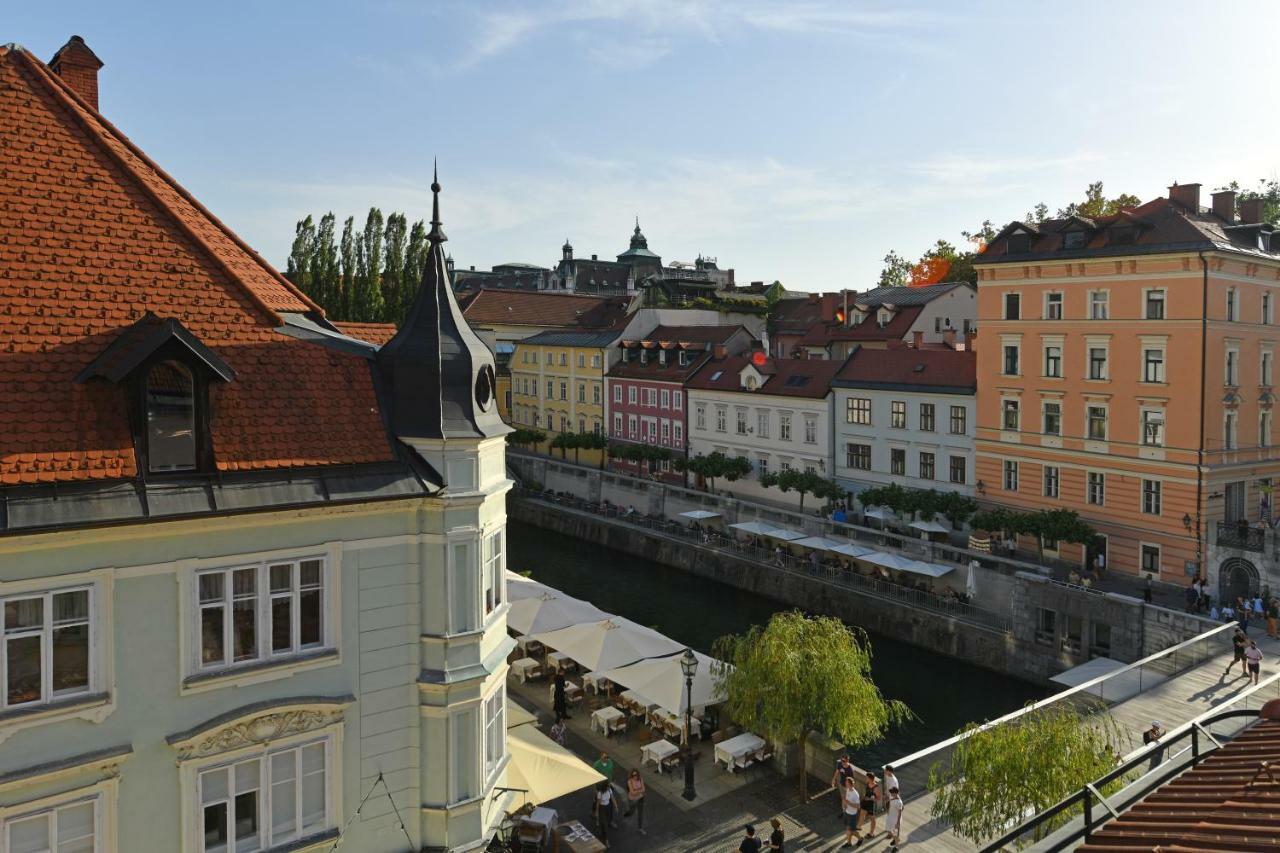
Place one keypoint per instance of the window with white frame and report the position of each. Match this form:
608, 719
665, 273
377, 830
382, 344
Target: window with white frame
1051, 479
651, 397
762, 466
1231, 304
1097, 362
1151, 495
1010, 475
582, 392
1153, 427
1053, 305
666, 398
1096, 488
72, 827
582, 359
1229, 436
1154, 305
631, 394
266, 801
700, 416
1053, 361
1011, 359
495, 733
595, 393
617, 393
49, 646
1096, 423
1010, 416
722, 416
495, 565
617, 423
1052, 418
810, 430
784, 426
250, 614
1153, 364
740, 421
595, 360
1099, 306
898, 414
762, 423
632, 425
677, 400
1151, 559
678, 432
666, 431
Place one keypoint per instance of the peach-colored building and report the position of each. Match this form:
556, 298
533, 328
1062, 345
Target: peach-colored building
1128, 375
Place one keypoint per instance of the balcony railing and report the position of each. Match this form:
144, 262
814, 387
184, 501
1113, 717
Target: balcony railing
1235, 535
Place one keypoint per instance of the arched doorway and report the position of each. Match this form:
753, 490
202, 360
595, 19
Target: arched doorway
1237, 578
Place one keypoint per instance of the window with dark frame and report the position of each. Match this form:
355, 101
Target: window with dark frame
926, 417
858, 456
958, 469
897, 461
926, 466
898, 414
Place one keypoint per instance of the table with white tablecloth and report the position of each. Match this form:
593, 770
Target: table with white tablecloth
672, 724
526, 668
594, 683
572, 693
559, 660
735, 751
658, 752
608, 720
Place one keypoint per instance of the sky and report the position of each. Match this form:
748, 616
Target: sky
798, 141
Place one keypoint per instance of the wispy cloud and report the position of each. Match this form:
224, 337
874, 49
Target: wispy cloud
650, 29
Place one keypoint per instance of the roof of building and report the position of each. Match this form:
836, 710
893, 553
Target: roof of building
1229, 801
571, 338
783, 377
374, 333
797, 316
544, 308
907, 368
655, 371
93, 235
903, 296
639, 247
693, 334
822, 334
1160, 225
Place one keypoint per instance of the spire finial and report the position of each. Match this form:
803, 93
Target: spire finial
437, 233
637, 224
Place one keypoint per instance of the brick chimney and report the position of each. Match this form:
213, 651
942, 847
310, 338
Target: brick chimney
78, 66
1251, 210
917, 338
1187, 195
949, 337
720, 352
1224, 204
813, 299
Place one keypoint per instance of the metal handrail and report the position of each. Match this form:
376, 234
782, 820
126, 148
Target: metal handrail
1058, 697
1192, 730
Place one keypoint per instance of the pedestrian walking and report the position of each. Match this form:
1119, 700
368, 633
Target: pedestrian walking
749, 843
852, 810
777, 837
870, 801
1243, 610
1146, 589
890, 778
1253, 655
635, 798
1192, 597
844, 770
893, 818
1238, 644
1152, 736
604, 811
559, 732
558, 700
1273, 618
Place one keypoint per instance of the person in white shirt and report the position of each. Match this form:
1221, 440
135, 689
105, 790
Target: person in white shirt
894, 818
1257, 605
852, 806
890, 778
1253, 656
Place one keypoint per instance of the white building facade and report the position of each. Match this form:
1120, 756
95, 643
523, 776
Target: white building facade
775, 412
905, 416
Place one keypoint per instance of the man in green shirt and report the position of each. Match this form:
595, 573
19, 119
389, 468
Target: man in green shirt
604, 764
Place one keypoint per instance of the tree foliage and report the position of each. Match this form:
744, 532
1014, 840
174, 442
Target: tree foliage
714, 466
999, 775
926, 503
1268, 189
367, 275
1097, 204
804, 482
802, 674
1056, 525
525, 437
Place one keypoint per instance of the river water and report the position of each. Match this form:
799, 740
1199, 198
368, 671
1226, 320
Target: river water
944, 694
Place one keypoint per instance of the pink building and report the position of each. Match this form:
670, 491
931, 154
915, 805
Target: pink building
644, 390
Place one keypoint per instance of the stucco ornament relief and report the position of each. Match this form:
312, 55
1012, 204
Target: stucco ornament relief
259, 730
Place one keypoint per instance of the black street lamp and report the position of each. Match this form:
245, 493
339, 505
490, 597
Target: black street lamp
689, 666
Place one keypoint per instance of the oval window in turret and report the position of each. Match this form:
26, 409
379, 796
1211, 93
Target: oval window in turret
486, 388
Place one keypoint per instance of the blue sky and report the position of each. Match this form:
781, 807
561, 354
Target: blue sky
794, 140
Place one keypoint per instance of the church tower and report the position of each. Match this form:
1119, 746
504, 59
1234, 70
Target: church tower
441, 382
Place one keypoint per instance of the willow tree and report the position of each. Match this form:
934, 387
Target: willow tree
1051, 753
802, 674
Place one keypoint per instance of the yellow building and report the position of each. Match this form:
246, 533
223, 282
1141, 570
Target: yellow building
557, 383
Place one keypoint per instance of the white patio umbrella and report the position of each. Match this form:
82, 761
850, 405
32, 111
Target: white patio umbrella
879, 512
542, 768
851, 550
608, 643
548, 610
889, 561
756, 528
928, 526
785, 535
818, 543
699, 514
661, 681
971, 582
933, 570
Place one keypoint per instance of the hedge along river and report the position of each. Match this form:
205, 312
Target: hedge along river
944, 693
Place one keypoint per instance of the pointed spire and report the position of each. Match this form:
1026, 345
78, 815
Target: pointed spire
637, 224
436, 234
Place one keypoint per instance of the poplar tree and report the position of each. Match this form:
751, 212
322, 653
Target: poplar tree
324, 264
367, 305
299, 269
343, 302
393, 278
415, 259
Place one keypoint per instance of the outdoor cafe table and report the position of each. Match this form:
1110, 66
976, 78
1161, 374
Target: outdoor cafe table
671, 723
572, 693
657, 752
638, 705
559, 660
526, 668
528, 645
594, 683
607, 720
731, 752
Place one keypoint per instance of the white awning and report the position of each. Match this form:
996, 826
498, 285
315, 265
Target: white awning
757, 528
929, 526
786, 535
699, 514
851, 550
879, 512
662, 681
609, 643
542, 768
889, 561
817, 543
536, 607
933, 570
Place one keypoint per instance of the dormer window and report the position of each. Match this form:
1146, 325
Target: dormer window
166, 372
1019, 243
169, 398
1124, 235
662, 357
644, 356
683, 358
1074, 240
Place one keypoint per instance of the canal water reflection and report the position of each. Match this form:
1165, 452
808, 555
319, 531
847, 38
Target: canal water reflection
944, 693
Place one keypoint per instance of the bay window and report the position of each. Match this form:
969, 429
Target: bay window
494, 571
495, 732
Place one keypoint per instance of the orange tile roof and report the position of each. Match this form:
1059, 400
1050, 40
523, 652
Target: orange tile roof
374, 333
92, 236
543, 308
